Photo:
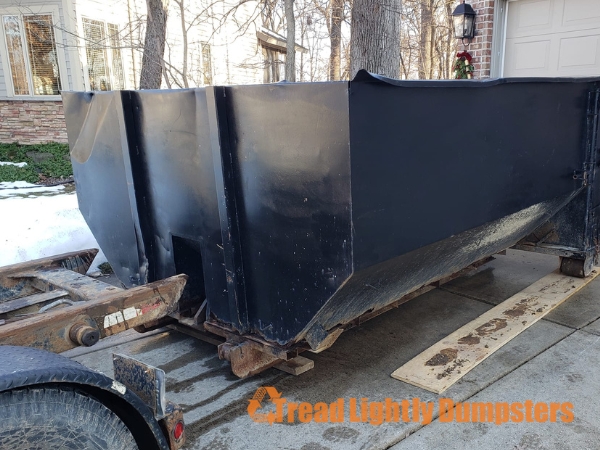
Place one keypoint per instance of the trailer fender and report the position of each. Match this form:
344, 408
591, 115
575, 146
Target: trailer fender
22, 367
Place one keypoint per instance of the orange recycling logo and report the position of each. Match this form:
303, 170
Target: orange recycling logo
256, 403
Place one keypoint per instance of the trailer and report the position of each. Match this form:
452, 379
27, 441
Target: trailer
49, 306
270, 219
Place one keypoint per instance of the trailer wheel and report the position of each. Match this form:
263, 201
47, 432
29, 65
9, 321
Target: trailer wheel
59, 418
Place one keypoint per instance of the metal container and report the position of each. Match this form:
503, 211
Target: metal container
297, 208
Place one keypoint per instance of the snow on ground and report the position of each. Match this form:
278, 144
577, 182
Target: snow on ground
24, 189
19, 164
39, 221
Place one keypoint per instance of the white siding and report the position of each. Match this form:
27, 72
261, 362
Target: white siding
238, 56
235, 55
2, 82
32, 7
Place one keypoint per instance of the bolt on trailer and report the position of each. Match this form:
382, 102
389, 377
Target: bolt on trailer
299, 210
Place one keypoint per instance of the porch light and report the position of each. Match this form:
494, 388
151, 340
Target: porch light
464, 21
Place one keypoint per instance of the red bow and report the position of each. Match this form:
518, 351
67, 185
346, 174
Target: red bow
465, 55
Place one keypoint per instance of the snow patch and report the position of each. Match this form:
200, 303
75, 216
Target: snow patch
24, 189
33, 227
7, 163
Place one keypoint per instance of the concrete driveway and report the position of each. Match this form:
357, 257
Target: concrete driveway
556, 360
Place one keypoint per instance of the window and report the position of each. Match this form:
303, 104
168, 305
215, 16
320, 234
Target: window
103, 52
273, 60
206, 64
32, 54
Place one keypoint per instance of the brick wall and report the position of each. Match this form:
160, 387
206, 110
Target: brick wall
481, 46
32, 122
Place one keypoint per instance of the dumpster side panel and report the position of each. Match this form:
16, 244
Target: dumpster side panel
99, 154
428, 168
290, 154
573, 231
431, 194
175, 187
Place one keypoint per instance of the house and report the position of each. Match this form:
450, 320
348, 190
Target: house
51, 45
536, 38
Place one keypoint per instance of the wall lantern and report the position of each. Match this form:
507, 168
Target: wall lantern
464, 21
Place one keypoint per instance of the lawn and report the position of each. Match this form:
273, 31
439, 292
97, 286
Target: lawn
43, 161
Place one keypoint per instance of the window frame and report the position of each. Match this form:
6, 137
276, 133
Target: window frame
47, 10
109, 54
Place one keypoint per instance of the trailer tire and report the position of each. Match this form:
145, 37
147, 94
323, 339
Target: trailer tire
59, 418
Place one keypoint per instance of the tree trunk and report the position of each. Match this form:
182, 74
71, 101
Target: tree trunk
184, 36
375, 37
335, 58
426, 41
450, 40
154, 45
290, 58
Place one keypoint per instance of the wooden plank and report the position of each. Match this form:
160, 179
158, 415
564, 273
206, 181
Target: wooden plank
11, 288
198, 334
80, 260
446, 362
296, 366
23, 302
80, 287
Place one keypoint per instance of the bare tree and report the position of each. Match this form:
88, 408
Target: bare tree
154, 44
333, 12
426, 40
375, 38
335, 32
290, 58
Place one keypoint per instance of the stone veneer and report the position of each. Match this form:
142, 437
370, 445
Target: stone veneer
32, 122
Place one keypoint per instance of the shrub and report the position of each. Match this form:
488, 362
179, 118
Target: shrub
56, 166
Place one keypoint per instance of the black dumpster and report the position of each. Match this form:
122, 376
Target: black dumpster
297, 208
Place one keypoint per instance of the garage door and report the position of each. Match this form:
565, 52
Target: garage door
552, 38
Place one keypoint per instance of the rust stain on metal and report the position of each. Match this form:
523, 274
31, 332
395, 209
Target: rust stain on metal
490, 327
109, 310
445, 356
469, 340
174, 416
